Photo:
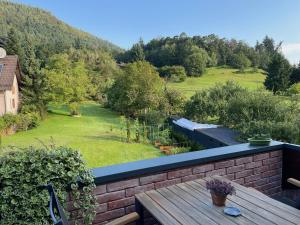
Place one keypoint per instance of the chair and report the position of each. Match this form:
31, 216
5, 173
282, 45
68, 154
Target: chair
62, 220
297, 184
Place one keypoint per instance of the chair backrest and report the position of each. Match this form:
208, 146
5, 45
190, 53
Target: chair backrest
55, 205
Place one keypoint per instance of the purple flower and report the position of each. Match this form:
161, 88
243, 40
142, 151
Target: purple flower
220, 187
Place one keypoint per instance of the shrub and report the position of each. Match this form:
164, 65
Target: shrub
23, 171
28, 121
294, 89
212, 102
173, 73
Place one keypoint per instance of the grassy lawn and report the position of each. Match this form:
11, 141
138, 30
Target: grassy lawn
95, 134
248, 79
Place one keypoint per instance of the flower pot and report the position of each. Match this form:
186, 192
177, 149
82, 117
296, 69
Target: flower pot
165, 147
218, 200
259, 142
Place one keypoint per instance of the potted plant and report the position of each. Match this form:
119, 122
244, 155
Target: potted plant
219, 191
260, 140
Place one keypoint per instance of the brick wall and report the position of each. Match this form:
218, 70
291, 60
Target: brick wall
261, 171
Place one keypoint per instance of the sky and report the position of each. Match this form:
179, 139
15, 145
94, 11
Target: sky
124, 22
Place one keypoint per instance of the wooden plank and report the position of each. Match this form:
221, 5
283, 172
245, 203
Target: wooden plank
261, 211
132, 217
156, 211
172, 209
249, 215
265, 204
202, 204
187, 208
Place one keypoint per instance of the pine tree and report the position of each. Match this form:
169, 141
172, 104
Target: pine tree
13, 44
34, 84
278, 74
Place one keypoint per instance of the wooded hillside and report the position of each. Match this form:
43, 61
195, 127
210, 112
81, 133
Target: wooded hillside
45, 30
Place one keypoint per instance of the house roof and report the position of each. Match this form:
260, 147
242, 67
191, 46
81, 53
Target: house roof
10, 68
225, 135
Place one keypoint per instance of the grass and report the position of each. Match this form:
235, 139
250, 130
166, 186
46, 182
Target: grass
248, 79
96, 134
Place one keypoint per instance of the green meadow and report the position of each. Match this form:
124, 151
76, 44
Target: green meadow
248, 79
96, 134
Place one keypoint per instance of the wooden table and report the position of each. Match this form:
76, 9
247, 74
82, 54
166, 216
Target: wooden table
190, 204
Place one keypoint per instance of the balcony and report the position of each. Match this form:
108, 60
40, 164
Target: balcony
264, 168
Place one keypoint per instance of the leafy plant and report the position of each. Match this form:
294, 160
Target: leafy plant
23, 171
220, 187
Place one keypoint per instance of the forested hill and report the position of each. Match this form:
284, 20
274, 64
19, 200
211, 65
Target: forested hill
46, 30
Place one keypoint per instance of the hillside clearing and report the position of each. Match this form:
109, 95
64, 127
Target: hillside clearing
248, 79
95, 134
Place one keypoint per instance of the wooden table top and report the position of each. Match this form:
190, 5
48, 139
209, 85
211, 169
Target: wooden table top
190, 204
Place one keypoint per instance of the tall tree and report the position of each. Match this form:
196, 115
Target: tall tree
34, 86
278, 74
295, 75
68, 81
138, 89
136, 53
13, 44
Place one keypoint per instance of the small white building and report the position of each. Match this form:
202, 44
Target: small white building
10, 76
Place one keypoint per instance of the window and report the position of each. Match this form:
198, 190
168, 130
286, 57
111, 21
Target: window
1, 67
13, 103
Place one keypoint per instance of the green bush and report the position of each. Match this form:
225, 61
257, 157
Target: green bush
23, 171
294, 89
27, 121
173, 73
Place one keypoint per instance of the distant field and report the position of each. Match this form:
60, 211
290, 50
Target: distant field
248, 79
95, 134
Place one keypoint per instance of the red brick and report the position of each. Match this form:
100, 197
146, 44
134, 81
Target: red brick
252, 165
220, 172
130, 209
243, 160
121, 203
261, 182
229, 176
275, 178
235, 169
244, 173
109, 215
99, 190
153, 178
270, 173
261, 156
275, 166
224, 164
132, 191
239, 181
107, 197
272, 160
167, 183
252, 178
179, 173
122, 185
276, 154
261, 169
193, 177
101, 208
203, 168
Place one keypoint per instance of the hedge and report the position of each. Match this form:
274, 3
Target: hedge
23, 171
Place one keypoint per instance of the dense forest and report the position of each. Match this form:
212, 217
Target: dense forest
48, 34
197, 52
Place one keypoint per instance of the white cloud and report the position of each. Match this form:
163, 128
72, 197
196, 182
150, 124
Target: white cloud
291, 52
